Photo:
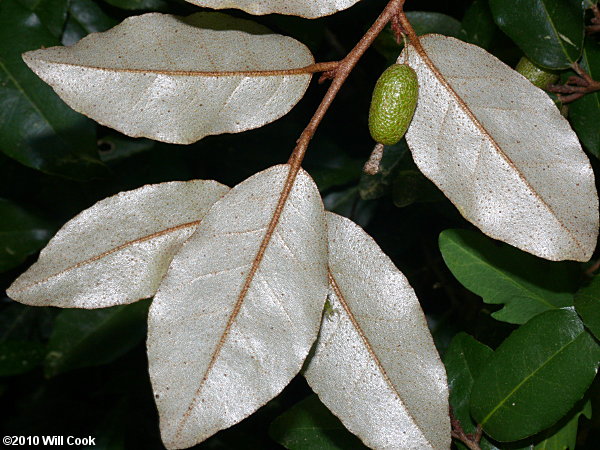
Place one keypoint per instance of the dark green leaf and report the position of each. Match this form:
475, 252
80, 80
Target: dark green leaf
587, 304
550, 32
85, 17
21, 233
584, 113
348, 203
18, 357
477, 26
310, 425
464, 360
423, 22
25, 323
116, 147
51, 13
566, 436
535, 377
83, 338
36, 127
411, 186
138, 4
502, 274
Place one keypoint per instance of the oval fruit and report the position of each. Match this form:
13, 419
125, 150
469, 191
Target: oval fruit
393, 103
539, 77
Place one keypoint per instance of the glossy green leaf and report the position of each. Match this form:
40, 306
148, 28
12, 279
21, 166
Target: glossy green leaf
566, 436
18, 357
51, 13
310, 425
85, 17
584, 113
36, 127
464, 360
535, 377
526, 285
550, 32
425, 22
477, 26
21, 233
587, 304
83, 338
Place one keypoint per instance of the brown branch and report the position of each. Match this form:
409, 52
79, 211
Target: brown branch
340, 74
409, 31
457, 432
576, 86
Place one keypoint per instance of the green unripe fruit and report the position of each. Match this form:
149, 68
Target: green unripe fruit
393, 104
539, 77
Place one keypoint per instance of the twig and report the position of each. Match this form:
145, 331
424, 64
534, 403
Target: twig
576, 86
371, 167
470, 440
339, 77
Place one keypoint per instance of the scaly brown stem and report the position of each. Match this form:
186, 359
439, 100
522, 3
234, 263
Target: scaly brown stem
470, 440
339, 74
575, 87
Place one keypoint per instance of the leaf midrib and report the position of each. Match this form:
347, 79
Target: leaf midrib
340, 296
109, 252
527, 378
256, 262
305, 70
556, 33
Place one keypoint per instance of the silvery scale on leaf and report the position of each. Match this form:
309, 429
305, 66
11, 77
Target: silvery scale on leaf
229, 327
240, 276
199, 76
302, 8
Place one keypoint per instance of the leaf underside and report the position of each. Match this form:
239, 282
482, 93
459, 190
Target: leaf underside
500, 151
181, 84
239, 308
118, 250
375, 365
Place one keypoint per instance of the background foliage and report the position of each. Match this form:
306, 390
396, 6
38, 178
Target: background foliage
76, 372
